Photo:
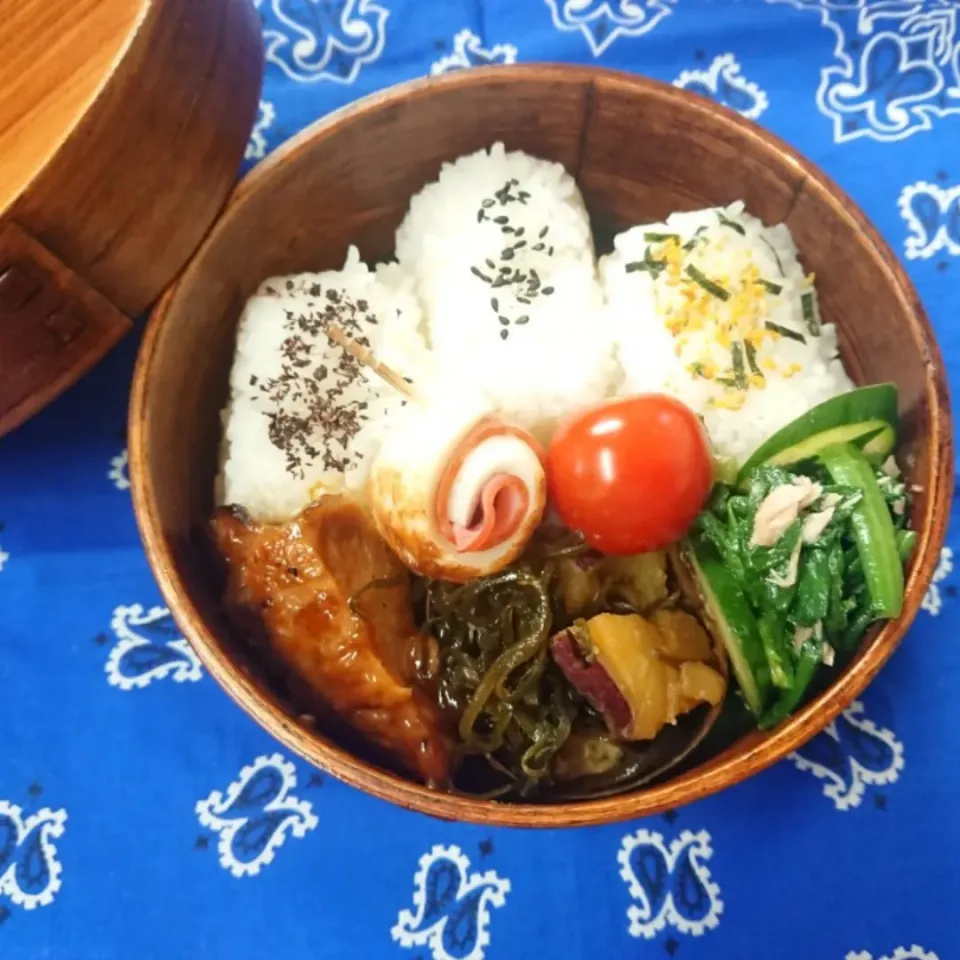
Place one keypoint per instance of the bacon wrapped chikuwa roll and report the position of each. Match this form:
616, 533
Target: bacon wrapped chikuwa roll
457, 491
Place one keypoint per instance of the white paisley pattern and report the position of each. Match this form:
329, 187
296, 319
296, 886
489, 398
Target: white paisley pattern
670, 882
148, 648
602, 21
468, 51
723, 81
257, 147
118, 474
851, 754
314, 40
933, 601
897, 66
255, 816
901, 953
451, 912
29, 868
932, 214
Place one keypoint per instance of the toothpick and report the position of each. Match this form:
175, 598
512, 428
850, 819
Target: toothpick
365, 356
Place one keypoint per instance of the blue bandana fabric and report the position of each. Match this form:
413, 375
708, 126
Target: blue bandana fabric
142, 815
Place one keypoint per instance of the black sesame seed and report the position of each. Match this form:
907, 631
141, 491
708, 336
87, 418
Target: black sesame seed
494, 303
478, 273
520, 321
501, 220
506, 254
514, 182
486, 204
547, 291
520, 231
519, 244
523, 300
543, 232
504, 334
490, 264
550, 252
538, 247
481, 216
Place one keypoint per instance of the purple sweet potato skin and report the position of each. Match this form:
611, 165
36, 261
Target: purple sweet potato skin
592, 682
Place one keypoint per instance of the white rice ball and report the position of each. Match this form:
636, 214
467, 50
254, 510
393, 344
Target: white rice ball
303, 416
502, 255
665, 346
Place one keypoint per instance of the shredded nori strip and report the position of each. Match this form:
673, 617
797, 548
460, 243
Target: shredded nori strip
775, 255
739, 371
695, 239
648, 264
774, 288
660, 237
711, 286
785, 332
810, 313
732, 224
752, 358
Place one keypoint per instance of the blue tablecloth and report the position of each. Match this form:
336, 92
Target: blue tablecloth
142, 815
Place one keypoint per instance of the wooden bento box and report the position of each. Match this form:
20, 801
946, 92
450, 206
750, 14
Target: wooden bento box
122, 128
640, 149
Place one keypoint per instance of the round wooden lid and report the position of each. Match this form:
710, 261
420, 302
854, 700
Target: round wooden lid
122, 126
48, 86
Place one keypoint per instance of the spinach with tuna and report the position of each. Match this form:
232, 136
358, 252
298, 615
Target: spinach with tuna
817, 552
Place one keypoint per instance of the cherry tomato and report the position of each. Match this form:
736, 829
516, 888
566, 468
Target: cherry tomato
631, 475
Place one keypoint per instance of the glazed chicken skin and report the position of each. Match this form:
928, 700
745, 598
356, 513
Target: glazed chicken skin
361, 662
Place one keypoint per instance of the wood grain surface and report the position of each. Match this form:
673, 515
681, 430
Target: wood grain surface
122, 126
53, 326
55, 55
639, 150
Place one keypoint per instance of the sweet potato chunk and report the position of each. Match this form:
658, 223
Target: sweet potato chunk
640, 674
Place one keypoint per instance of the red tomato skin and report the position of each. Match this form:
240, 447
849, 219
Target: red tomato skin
630, 475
